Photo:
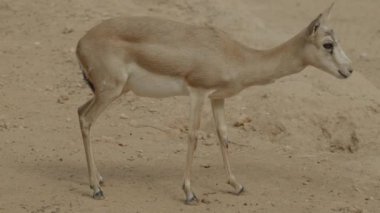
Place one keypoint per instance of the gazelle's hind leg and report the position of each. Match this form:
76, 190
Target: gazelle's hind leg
81, 110
196, 103
218, 111
87, 115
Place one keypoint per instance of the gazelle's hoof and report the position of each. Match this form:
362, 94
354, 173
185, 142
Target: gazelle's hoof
240, 191
192, 200
98, 195
238, 188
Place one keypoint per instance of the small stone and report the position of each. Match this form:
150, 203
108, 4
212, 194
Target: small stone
206, 166
48, 89
177, 151
364, 56
184, 129
210, 135
242, 121
201, 135
62, 99
67, 30
123, 116
287, 148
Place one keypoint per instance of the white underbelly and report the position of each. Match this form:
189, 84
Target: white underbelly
148, 84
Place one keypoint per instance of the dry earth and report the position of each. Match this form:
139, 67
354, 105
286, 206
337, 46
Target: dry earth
312, 144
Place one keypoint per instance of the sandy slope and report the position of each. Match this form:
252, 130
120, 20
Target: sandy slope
312, 145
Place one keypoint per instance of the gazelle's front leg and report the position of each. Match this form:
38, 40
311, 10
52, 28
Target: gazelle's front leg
196, 99
221, 127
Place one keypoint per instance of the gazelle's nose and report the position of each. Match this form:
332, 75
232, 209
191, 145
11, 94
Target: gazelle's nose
350, 70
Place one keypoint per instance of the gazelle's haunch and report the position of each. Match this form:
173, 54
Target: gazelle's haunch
160, 58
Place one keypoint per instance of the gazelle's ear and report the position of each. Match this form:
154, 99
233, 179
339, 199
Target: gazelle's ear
326, 14
314, 26
321, 19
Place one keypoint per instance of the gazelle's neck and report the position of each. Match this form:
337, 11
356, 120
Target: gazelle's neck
283, 60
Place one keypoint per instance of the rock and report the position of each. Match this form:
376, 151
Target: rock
210, 135
207, 143
177, 151
364, 56
67, 30
62, 99
123, 116
206, 166
244, 119
201, 135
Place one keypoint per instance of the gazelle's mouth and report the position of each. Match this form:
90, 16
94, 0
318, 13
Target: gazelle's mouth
342, 74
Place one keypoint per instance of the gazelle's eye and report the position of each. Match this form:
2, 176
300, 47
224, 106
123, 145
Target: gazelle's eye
328, 46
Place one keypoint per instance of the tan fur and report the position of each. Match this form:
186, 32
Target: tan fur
154, 57
171, 48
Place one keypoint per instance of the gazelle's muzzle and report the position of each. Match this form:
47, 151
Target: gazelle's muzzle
345, 73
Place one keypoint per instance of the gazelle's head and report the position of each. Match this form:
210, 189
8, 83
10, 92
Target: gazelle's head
322, 49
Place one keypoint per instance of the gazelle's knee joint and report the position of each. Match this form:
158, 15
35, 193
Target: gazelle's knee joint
222, 132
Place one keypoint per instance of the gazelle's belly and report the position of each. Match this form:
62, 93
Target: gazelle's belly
148, 84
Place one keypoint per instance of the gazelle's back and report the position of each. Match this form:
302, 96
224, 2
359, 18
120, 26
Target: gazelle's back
161, 31
171, 48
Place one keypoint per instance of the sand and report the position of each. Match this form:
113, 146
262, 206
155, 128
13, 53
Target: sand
312, 144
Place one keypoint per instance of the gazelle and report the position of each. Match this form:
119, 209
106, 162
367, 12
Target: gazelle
159, 58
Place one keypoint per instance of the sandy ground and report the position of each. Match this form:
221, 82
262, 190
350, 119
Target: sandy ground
312, 144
